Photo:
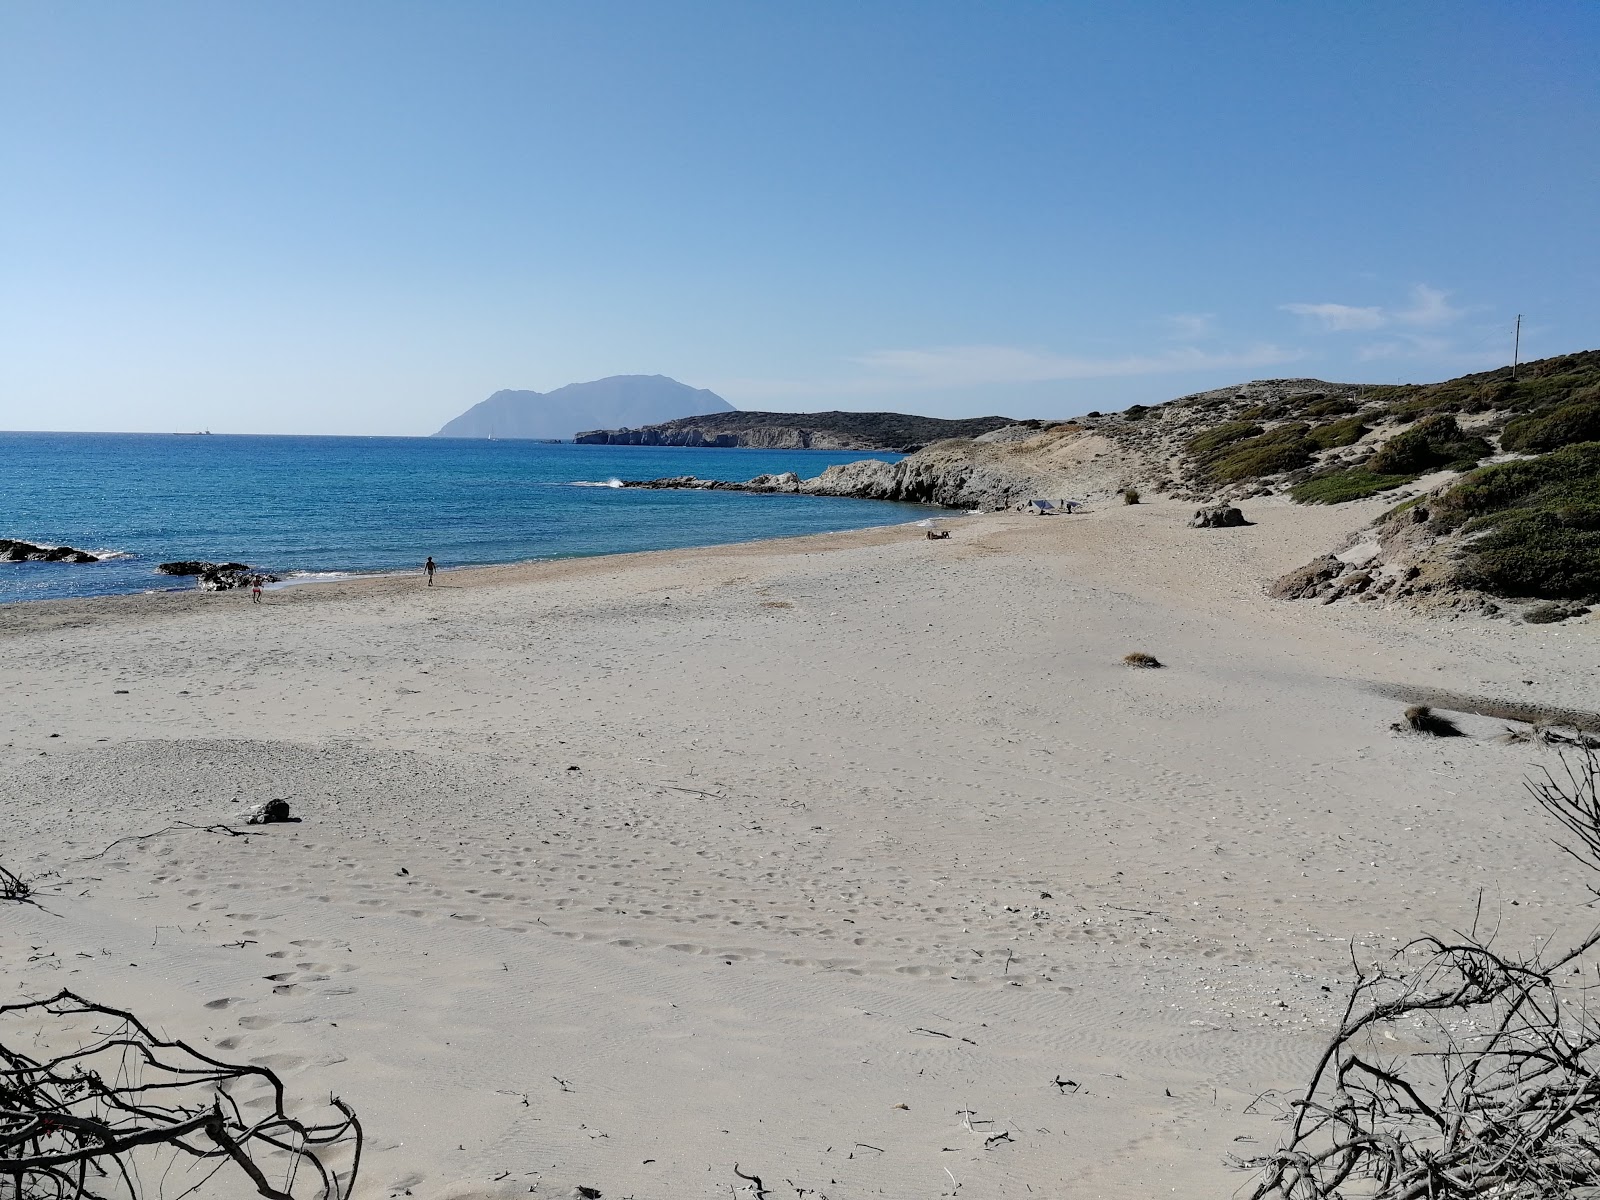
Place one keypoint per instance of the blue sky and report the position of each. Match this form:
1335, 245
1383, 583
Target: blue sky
364, 217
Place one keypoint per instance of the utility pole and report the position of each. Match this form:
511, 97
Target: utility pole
1516, 347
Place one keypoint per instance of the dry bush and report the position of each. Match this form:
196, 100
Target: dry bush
1423, 719
123, 1113
1140, 659
14, 887
1456, 1071
1130, 495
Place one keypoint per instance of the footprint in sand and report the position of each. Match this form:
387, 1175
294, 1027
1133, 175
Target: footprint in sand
257, 1022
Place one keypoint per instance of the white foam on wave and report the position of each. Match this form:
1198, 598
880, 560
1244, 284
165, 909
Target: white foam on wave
609, 483
298, 577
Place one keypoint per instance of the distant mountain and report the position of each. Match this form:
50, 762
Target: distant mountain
561, 414
788, 431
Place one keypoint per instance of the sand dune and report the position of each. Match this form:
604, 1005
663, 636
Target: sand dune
824, 857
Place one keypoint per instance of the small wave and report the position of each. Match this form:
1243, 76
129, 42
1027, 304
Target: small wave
313, 576
105, 555
610, 483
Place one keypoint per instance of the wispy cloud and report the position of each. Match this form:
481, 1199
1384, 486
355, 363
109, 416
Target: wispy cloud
1191, 327
1339, 317
1430, 308
887, 372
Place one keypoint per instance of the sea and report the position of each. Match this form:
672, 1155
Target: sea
315, 508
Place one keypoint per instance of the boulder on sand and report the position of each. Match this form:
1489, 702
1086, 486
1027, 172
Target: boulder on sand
272, 812
1218, 516
1310, 580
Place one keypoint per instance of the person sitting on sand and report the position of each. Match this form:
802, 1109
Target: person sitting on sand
430, 568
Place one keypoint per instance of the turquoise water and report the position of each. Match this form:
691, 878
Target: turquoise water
321, 505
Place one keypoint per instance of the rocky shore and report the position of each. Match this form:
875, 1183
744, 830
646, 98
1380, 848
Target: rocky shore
993, 472
216, 577
12, 550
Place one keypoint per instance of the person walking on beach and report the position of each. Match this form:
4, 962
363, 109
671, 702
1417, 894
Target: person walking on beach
255, 589
430, 568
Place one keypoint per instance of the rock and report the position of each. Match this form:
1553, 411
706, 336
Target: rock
12, 550
1218, 516
216, 577
786, 482
273, 812
1352, 584
1549, 614
1310, 580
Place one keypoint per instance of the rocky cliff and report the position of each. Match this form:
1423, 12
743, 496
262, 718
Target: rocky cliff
802, 431
993, 472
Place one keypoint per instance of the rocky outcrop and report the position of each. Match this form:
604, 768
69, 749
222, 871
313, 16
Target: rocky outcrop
1218, 516
15, 551
193, 566
900, 432
216, 577
957, 485
1313, 579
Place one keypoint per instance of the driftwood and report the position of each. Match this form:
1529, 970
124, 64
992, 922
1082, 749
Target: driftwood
1457, 1071
14, 887
125, 1113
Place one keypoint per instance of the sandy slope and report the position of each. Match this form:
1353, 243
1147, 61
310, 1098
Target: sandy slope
835, 799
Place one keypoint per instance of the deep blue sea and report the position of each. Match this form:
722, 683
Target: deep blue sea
315, 506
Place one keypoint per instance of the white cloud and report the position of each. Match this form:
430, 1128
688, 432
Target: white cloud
1191, 327
1429, 308
885, 372
1339, 317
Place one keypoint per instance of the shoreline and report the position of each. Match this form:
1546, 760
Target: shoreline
475, 575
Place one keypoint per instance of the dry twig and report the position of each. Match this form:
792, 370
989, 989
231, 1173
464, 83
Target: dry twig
88, 1122
1499, 1096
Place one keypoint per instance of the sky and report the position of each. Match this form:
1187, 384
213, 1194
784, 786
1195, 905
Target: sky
364, 217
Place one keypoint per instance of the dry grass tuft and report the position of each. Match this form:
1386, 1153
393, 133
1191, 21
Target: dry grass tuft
1140, 659
1130, 495
1423, 719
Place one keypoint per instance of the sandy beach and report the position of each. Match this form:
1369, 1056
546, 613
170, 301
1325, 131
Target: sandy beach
826, 857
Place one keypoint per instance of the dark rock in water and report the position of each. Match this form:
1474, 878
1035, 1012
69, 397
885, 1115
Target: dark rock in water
15, 551
1310, 580
216, 577
194, 566
1220, 516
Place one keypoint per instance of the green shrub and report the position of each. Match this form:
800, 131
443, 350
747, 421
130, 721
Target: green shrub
1338, 433
1433, 442
1566, 479
1539, 433
1135, 412
1285, 448
1214, 439
1338, 487
1540, 520
1330, 407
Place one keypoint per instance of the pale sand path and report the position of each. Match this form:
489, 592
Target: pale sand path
823, 786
